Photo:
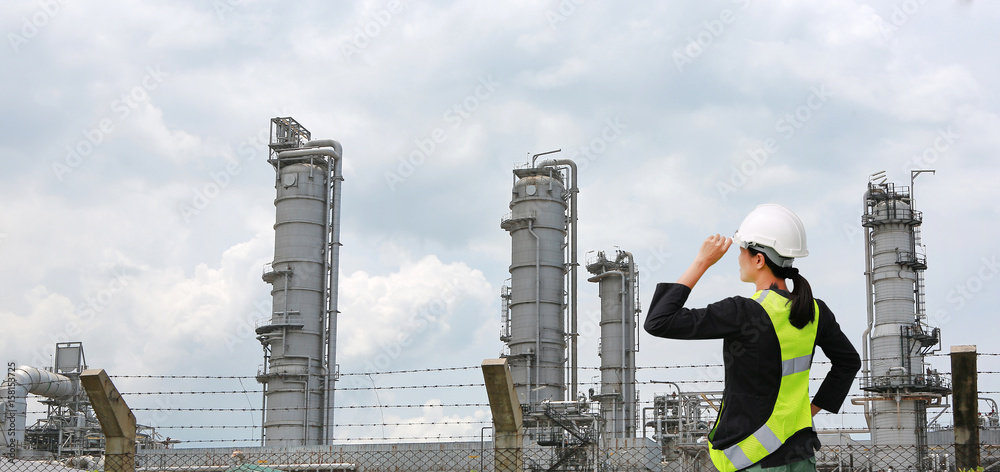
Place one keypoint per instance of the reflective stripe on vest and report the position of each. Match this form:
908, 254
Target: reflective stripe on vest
791, 411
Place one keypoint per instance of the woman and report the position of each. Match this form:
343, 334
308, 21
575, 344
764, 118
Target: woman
768, 340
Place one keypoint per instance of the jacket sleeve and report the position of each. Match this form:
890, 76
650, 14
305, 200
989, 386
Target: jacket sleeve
667, 317
844, 357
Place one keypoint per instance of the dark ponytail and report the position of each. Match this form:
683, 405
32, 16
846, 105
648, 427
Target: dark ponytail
803, 312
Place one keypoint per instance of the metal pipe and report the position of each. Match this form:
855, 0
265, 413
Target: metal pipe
622, 374
644, 420
305, 393
263, 408
629, 369
284, 313
538, 307
482, 446
325, 329
870, 298
27, 379
634, 276
334, 270
574, 190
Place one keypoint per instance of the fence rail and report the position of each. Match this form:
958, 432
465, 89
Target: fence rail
480, 457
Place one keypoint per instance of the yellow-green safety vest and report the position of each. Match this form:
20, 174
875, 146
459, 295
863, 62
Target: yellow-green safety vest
792, 410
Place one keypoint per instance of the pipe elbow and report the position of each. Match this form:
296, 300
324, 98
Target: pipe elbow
333, 143
326, 147
557, 162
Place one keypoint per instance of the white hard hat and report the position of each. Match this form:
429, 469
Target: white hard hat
775, 231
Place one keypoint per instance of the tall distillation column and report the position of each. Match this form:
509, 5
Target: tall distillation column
300, 337
900, 385
535, 318
618, 285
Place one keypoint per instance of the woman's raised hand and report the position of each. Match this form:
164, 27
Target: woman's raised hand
713, 249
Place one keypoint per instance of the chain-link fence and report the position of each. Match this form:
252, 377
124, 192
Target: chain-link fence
481, 457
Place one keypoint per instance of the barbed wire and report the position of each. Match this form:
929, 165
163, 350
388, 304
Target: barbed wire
341, 407
412, 371
354, 439
217, 392
342, 374
402, 387
384, 387
199, 377
440, 386
476, 367
338, 425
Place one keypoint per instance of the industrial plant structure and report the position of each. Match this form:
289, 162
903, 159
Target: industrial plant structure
900, 386
69, 427
618, 286
300, 338
563, 427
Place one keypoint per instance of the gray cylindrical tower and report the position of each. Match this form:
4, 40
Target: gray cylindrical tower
900, 385
618, 287
537, 338
294, 392
892, 222
300, 337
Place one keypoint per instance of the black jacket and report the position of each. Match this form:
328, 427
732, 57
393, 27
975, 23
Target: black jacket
752, 360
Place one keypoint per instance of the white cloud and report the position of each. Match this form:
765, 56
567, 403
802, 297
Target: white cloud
560, 75
194, 279
388, 316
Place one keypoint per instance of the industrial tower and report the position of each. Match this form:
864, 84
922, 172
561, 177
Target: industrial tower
899, 385
618, 282
535, 315
300, 338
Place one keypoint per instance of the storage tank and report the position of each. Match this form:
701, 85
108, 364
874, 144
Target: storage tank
536, 324
618, 282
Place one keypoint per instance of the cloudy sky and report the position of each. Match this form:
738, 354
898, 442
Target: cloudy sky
138, 204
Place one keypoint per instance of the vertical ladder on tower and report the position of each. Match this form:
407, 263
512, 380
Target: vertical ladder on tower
921, 309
